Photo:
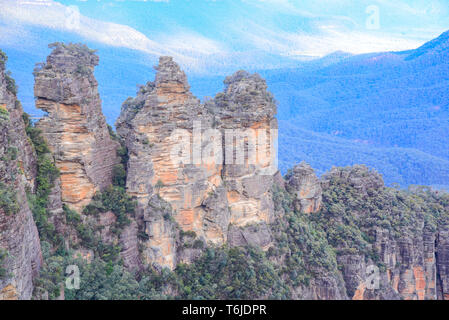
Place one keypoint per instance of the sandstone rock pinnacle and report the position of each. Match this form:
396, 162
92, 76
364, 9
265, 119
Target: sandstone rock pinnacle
218, 202
75, 128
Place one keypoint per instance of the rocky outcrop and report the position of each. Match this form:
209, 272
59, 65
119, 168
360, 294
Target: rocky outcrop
149, 125
177, 152
130, 247
18, 233
410, 270
255, 235
302, 182
406, 256
204, 174
442, 263
388, 244
324, 287
245, 114
75, 128
160, 249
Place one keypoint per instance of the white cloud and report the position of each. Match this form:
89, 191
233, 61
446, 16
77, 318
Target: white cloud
190, 43
186, 48
256, 42
327, 39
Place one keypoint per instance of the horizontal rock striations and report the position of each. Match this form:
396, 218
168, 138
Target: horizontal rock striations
245, 114
177, 151
197, 175
74, 127
148, 125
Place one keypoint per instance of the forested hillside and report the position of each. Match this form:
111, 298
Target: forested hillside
387, 110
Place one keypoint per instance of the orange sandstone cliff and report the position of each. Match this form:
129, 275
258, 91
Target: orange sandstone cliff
74, 127
213, 199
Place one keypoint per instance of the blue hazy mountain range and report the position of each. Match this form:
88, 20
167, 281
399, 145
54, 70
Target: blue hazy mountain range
388, 110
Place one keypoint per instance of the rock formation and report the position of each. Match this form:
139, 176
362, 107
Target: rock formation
148, 124
245, 114
305, 186
206, 195
19, 237
409, 253
203, 174
75, 128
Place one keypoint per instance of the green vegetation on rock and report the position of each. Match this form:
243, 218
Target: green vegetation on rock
356, 203
116, 200
47, 173
8, 199
301, 242
3, 256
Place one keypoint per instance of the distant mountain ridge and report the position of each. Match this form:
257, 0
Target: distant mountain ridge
388, 110
438, 45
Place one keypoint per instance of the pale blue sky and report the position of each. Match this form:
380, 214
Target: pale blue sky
205, 33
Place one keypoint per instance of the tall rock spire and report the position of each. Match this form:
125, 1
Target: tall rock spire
75, 128
148, 124
191, 195
247, 110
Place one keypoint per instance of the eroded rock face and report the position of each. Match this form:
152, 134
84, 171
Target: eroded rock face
130, 247
75, 128
323, 287
442, 263
247, 110
255, 235
160, 249
18, 232
306, 188
410, 270
148, 125
410, 259
205, 194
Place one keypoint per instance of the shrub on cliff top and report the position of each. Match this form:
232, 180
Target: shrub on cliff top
11, 85
72, 47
